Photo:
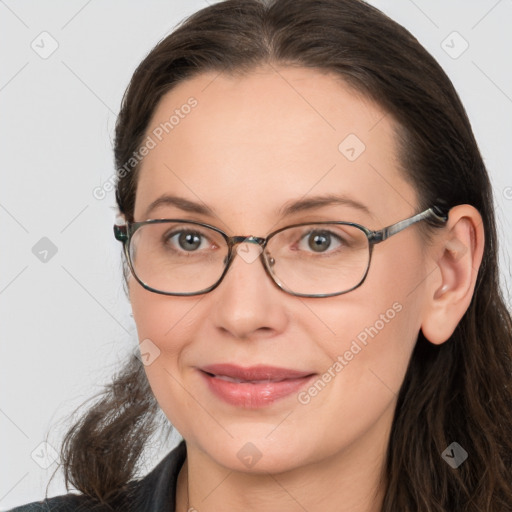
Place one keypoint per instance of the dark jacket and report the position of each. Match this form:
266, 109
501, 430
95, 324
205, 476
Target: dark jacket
154, 493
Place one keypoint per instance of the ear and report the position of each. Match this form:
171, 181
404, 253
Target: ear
458, 254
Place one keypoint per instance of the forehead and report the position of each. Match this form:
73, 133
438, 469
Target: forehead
247, 144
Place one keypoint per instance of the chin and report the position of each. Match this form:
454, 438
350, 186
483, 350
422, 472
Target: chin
255, 455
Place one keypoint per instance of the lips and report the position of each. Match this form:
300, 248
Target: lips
253, 373
255, 386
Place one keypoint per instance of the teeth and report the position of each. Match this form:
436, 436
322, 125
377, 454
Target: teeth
231, 379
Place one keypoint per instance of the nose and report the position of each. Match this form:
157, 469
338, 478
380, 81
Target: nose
247, 303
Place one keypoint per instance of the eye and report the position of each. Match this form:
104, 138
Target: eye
321, 240
186, 240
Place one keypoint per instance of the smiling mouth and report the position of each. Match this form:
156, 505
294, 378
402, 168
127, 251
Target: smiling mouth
254, 387
253, 373
244, 381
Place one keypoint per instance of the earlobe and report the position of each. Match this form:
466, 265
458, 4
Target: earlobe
457, 255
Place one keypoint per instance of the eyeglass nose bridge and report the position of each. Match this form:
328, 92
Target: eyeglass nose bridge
235, 240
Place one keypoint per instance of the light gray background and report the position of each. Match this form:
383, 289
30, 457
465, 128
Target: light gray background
66, 323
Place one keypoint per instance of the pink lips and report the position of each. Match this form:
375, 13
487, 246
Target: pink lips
255, 386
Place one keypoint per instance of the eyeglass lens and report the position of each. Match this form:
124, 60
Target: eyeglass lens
175, 257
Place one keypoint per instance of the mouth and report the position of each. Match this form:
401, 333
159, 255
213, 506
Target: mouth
255, 386
253, 373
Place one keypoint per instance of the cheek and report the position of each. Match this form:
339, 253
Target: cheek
369, 339
371, 346
385, 308
163, 326
362, 374
159, 317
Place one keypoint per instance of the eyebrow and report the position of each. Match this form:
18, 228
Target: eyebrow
289, 208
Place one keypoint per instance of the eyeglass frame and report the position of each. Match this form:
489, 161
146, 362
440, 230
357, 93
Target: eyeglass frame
125, 232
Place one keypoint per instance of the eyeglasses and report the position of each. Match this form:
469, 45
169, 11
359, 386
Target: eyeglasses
321, 259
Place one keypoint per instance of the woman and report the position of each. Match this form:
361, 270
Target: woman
311, 259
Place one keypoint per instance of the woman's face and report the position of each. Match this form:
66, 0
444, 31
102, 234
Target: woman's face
245, 147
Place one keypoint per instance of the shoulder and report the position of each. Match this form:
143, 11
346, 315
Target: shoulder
153, 493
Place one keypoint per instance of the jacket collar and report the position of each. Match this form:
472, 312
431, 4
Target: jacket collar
156, 492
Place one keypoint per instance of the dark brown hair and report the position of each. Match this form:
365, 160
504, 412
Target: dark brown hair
458, 391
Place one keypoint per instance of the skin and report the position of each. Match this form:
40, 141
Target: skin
252, 144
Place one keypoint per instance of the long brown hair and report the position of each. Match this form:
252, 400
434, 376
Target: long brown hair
458, 391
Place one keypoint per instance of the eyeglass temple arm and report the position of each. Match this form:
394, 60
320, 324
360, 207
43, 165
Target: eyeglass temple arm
435, 213
121, 232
